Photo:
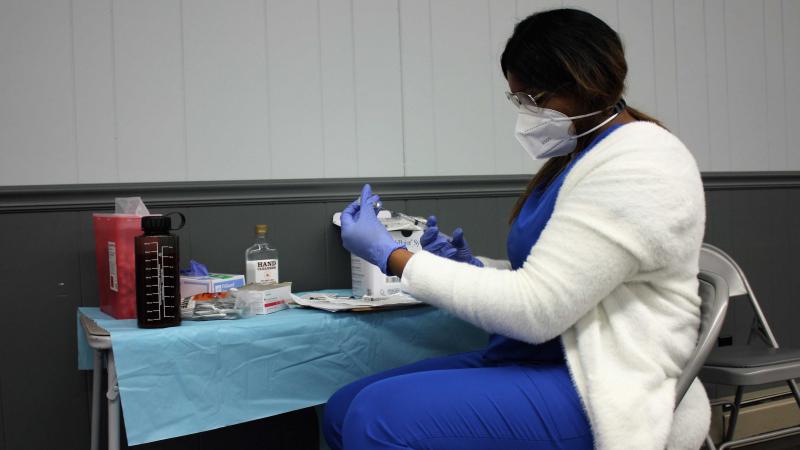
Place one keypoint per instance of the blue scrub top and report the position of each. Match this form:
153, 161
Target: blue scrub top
525, 231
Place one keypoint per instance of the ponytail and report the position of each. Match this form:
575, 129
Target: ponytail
638, 115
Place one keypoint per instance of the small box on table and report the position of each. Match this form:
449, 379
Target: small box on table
213, 282
267, 298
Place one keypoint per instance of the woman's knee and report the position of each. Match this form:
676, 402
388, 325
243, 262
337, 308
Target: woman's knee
335, 411
374, 416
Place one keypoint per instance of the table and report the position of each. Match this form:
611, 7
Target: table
99, 339
205, 375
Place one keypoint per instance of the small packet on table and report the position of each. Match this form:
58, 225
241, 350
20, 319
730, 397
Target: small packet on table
237, 303
334, 301
211, 306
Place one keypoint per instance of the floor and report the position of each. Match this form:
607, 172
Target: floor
787, 443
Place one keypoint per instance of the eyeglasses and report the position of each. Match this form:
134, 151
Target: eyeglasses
525, 100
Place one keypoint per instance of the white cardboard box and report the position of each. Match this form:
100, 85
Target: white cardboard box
367, 279
213, 282
271, 297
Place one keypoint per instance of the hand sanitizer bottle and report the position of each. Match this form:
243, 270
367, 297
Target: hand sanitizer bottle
261, 259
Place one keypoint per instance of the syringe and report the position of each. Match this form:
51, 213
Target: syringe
415, 220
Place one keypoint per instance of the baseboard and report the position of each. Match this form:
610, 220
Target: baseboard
777, 411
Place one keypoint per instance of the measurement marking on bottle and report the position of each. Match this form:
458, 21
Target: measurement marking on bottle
162, 281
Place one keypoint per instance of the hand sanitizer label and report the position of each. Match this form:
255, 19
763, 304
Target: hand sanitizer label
262, 271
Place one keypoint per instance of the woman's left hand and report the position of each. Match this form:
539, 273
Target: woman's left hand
363, 234
439, 244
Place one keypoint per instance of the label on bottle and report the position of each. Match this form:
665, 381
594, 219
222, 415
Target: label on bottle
262, 271
112, 266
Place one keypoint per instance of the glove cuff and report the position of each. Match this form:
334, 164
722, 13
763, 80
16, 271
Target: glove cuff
384, 261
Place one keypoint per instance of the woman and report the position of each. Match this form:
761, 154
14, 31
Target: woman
596, 311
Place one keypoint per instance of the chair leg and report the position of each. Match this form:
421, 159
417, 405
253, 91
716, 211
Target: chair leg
734, 413
795, 392
710, 443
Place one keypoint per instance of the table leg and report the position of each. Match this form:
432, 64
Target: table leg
113, 403
97, 381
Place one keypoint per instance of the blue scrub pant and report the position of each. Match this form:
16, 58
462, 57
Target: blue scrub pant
459, 402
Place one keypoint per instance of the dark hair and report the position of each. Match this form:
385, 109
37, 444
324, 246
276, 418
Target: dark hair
572, 53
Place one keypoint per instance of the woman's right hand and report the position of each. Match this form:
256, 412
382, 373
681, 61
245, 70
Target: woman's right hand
363, 234
440, 244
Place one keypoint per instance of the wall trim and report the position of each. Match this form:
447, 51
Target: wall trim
79, 197
717, 181
98, 197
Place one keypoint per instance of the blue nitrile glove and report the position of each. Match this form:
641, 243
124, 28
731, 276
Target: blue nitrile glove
363, 234
435, 242
454, 248
195, 269
463, 253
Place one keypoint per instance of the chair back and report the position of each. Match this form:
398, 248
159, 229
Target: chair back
714, 296
712, 259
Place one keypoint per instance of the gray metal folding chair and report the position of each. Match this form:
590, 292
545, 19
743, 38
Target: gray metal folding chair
747, 365
713, 306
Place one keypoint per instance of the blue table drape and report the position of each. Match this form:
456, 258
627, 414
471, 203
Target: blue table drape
206, 375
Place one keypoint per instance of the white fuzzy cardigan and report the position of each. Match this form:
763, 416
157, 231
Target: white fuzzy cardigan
614, 273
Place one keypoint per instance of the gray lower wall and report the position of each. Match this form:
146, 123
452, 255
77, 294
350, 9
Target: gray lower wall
47, 265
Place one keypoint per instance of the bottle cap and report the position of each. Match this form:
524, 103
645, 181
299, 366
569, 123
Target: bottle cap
261, 229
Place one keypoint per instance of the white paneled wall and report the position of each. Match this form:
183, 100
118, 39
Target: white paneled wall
790, 91
225, 76
38, 137
167, 90
150, 90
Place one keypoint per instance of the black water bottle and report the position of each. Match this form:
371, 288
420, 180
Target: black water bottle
158, 294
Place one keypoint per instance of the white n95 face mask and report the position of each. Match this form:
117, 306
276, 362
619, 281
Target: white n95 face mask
548, 133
